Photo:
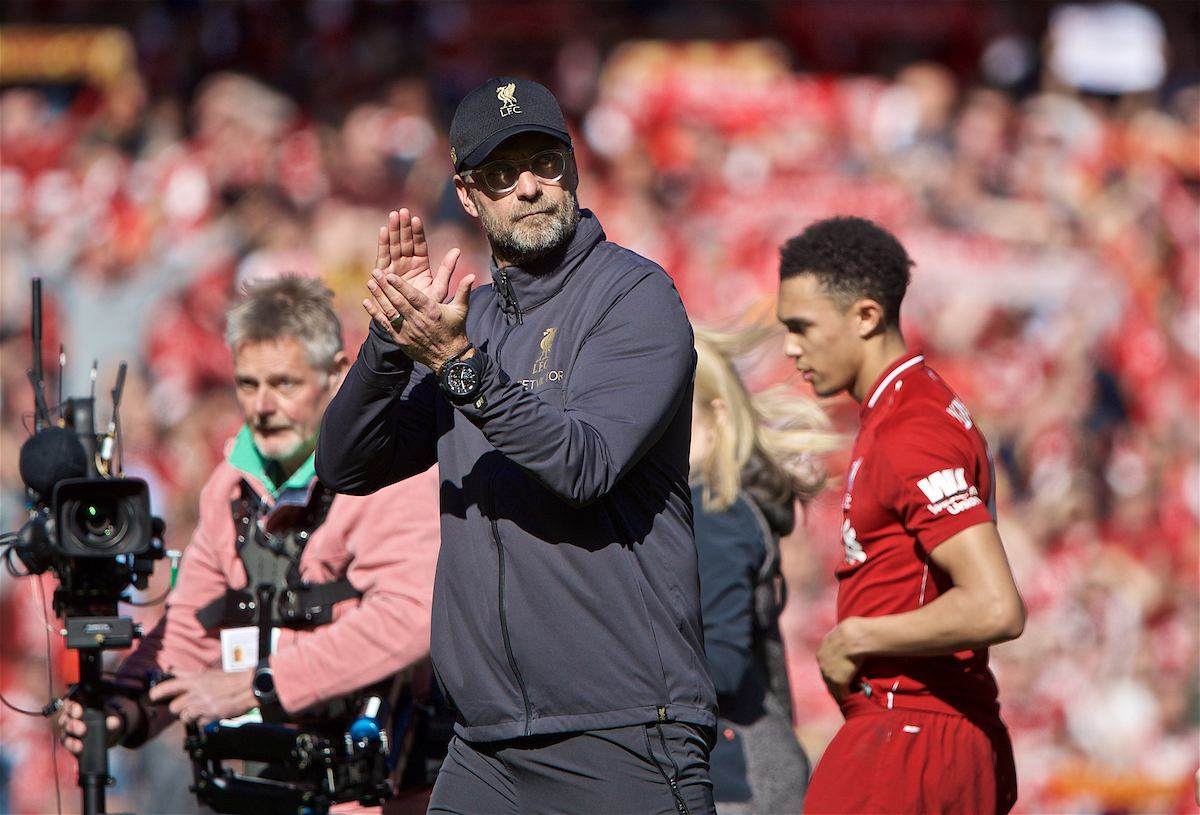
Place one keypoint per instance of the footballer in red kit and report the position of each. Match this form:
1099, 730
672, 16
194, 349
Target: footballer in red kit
924, 586
920, 473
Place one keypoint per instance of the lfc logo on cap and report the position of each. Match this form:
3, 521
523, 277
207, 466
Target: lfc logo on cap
508, 100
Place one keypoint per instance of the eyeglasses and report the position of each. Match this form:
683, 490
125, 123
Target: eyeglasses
501, 176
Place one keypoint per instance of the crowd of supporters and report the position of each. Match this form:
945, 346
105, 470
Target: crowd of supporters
1056, 287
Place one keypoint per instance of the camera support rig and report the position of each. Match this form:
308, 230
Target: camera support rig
89, 511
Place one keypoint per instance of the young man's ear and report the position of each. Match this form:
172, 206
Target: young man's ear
464, 197
869, 314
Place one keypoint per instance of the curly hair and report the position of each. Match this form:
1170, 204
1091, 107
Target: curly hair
851, 258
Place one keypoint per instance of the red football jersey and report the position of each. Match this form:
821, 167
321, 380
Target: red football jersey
919, 474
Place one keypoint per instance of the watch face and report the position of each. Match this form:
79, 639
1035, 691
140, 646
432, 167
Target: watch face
461, 379
264, 683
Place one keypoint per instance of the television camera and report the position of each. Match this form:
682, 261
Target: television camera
93, 529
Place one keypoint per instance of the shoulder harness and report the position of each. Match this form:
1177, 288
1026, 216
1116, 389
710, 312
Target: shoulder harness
270, 541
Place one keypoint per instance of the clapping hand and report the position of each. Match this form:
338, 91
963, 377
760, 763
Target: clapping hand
406, 296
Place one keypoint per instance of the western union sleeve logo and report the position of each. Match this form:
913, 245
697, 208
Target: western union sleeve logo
943, 484
948, 489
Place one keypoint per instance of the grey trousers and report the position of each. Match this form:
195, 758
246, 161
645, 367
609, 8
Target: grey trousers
655, 769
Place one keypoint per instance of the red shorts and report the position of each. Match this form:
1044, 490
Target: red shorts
893, 761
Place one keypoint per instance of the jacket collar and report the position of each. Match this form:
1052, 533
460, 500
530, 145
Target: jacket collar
523, 288
244, 457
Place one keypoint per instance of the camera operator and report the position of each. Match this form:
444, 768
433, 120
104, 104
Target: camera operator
360, 568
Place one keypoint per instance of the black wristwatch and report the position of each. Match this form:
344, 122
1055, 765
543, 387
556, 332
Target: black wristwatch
264, 684
462, 379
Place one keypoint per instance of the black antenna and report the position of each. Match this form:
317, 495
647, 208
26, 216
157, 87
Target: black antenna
41, 413
41, 416
116, 394
112, 438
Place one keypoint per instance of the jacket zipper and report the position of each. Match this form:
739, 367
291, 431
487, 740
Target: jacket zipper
507, 295
512, 660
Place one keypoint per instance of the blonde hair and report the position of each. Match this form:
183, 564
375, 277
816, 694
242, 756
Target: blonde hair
773, 436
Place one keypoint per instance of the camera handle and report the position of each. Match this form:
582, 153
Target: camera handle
93, 760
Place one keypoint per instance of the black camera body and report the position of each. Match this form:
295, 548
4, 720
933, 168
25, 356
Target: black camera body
102, 517
96, 533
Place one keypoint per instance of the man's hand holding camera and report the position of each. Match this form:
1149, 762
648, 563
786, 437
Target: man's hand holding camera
194, 699
206, 697
72, 729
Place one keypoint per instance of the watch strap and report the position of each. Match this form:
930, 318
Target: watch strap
445, 365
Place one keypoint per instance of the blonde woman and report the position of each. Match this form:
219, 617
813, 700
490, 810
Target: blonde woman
751, 459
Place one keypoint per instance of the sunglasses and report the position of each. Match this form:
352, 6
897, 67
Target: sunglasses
501, 176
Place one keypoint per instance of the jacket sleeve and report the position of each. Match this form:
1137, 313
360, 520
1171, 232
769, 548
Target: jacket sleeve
379, 428
730, 556
633, 372
392, 541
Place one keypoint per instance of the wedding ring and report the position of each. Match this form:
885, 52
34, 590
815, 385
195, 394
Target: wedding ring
397, 321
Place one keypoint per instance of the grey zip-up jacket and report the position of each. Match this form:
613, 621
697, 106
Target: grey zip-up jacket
566, 596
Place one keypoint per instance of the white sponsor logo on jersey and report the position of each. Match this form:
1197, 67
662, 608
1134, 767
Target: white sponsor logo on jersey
850, 484
948, 490
854, 550
959, 411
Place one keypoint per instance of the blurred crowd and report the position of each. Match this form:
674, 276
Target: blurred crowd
1055, 230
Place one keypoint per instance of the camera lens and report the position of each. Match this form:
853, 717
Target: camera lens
99, 524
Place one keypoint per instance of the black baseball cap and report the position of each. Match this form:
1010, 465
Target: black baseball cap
500, 108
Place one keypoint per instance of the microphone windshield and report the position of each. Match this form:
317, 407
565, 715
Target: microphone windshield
51, 456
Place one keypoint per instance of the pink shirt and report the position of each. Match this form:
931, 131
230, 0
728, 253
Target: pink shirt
386, 544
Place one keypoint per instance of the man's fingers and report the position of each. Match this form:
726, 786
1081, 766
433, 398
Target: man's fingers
167, 689
74, 729
384, 289
394, 235
373, 309
406, 236
70, 711
441, 283
462, 297
411, 299
177, 707
378, 315
383, 305
420, 248
383, 258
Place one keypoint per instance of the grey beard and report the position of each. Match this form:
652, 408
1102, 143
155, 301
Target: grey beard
520, 248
